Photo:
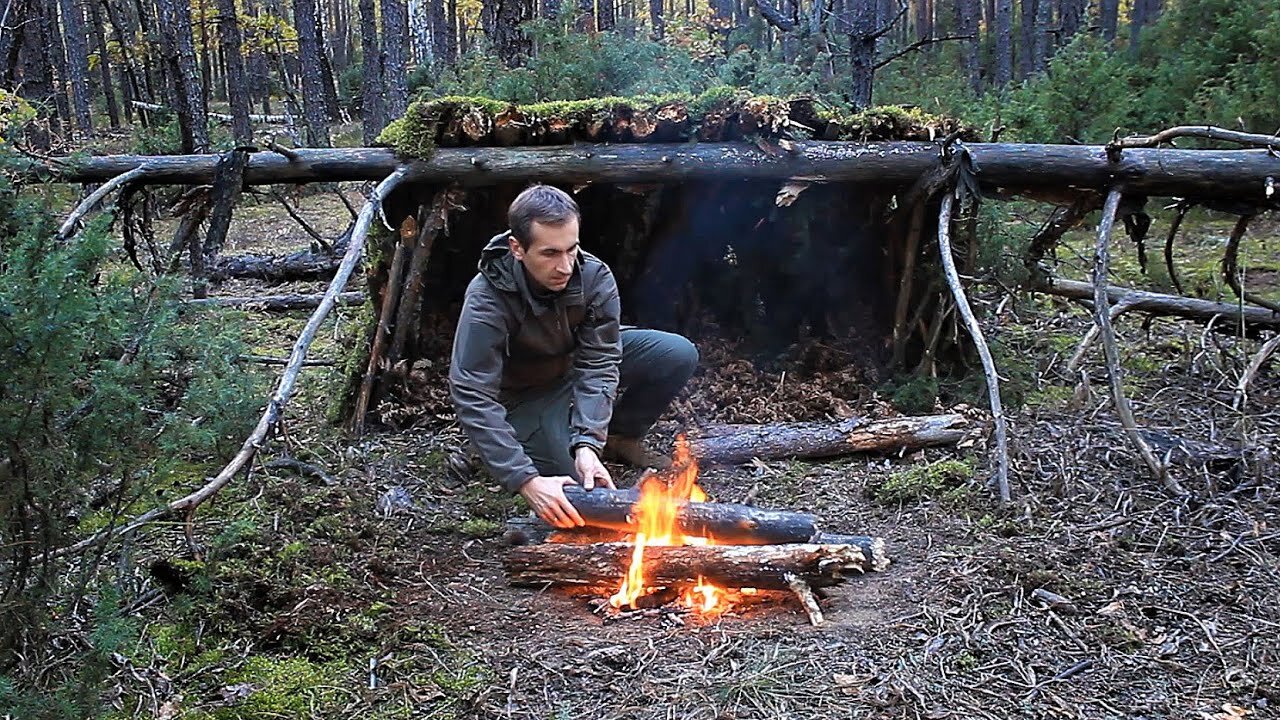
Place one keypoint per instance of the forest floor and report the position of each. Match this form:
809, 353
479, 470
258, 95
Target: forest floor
379, 592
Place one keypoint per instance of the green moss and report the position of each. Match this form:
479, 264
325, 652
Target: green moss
480, 527
945, 478
285, 688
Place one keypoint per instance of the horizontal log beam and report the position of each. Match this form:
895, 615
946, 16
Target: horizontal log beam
274, 303
1240, 175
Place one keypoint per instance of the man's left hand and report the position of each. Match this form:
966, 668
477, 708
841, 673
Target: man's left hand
590, 469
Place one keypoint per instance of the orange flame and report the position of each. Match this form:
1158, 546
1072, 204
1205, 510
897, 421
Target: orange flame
656, 513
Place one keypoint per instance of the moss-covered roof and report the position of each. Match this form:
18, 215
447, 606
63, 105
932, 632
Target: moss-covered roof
719, 114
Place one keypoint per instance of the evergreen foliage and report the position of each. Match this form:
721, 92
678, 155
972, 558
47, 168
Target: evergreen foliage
107, 400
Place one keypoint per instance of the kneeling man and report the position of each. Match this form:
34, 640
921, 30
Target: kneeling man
544, 379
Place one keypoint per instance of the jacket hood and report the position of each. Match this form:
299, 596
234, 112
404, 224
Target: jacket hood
505, 273
497, 264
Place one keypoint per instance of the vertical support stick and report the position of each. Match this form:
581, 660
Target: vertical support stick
975, 332
1102, 318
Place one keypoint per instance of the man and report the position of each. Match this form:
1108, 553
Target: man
540, 357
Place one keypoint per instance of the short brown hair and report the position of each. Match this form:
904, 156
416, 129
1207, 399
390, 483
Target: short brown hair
541, 204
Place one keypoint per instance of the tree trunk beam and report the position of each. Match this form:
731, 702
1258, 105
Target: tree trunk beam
1161, 304
301, 265
1235, 174
765, 567
733, 444
220, 117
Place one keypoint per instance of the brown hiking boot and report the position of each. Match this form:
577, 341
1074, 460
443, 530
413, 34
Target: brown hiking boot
633, 452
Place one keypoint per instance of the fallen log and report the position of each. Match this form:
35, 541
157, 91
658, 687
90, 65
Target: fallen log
726, 522
220, 117
765, 567
732, 444
533, 531
1161, 304
300, 265
1240, 175
275, 303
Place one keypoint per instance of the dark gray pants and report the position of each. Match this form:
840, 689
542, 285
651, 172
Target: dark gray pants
655, 366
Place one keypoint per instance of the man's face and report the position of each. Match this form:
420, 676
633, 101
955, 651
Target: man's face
552, 253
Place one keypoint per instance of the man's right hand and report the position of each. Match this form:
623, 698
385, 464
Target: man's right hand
545, 494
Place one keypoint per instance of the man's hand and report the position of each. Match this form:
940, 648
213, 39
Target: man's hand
590, 469
545, 494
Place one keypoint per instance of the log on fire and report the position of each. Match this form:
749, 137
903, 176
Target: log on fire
732, 444
765, 567
726, 522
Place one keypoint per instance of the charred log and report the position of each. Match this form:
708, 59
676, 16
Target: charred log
301, 265
766, 567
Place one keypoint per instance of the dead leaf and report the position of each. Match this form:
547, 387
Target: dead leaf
170, 709
1115, 608
790, 192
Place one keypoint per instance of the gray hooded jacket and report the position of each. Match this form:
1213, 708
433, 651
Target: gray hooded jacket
513, 340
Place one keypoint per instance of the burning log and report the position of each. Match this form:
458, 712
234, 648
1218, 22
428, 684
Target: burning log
732, 444
765, 567
726, 522
533, 531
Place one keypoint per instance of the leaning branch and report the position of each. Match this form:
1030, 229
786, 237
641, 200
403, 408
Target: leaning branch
1231, 270
1255, 365
1205, 311
96, 196
1102, 318
279, 399
975, 332
276, 303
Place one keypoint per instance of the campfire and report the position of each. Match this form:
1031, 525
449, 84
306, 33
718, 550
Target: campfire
666, 544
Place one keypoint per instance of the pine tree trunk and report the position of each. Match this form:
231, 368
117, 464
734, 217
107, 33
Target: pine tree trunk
58, 61
37, 80
1141, 14
1109, 18
587, 15
605, 15
452, 38
371, 90
440, 33
1002, 73
237, 88
502, 21
967, 12
188, 98
104, 62
1070, 15
862, 24
313, 110
206, 58
1043, 41
657, 27
1027, 36
331, 107
395, 42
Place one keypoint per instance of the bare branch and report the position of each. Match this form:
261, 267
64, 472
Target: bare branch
1183, 208
917, 45
1255, 365
1231, 271
975, 332
1208, 132
95, 197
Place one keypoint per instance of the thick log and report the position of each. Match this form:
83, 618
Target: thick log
532, 531
301, 265
1203, 174
726, 522
766, 567
275, 303
732, 444
1161, 304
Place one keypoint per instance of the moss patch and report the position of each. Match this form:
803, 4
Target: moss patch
944, 479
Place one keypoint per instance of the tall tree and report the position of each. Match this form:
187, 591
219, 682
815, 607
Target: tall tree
1070, 15
967, 13
395, 58
1141, 14
657, 26
1043, 45
606, 15
1027, 31
923, 19
180, 55
452, 37
587, 16
237, 88
329, 82
57, 57
37, 83
372, 115
313, 111
440, 32
503, 21
104, 62
1109, 18
1002, 56
862, 26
